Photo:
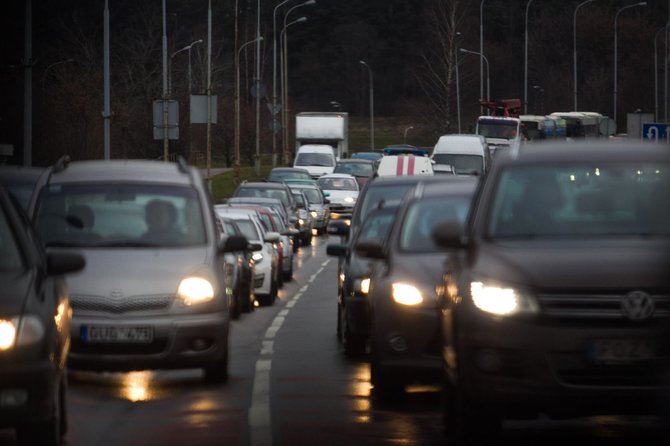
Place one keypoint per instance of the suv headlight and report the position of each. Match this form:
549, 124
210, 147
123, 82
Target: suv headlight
195, 290
314, 214
257, 256
349, 199
29, 331
501, 300
406, 294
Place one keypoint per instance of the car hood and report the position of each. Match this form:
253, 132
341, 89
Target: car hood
578, 264
424, 271
15, 285
138, 271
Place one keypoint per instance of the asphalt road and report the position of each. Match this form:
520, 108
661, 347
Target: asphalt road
290, 384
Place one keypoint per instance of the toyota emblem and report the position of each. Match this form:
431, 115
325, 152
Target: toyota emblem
638, 306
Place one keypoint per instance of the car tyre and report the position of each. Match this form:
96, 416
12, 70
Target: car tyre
217, 373
49, 432
288, 275
354, 345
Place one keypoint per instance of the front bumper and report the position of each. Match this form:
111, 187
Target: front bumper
27, 391
179, 341
527, 367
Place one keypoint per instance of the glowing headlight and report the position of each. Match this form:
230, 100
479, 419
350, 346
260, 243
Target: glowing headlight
313, 214
349, 199
406, 294
195, 290
362, 285
301, 221
501, 301
257, 256
7, 334
12, 334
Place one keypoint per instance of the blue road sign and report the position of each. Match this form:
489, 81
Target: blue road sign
656, 131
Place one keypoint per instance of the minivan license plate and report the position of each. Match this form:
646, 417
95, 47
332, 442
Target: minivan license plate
623, 350
140, 335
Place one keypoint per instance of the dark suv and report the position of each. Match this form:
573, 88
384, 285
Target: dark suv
559, 298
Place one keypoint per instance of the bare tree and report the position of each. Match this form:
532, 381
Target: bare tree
436, 75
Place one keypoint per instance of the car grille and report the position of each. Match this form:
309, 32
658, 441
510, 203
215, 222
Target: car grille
641, 376
155, 347
594, 306
126, 304
341, 208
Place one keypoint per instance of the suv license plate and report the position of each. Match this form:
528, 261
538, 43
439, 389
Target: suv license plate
623, 350
106, 334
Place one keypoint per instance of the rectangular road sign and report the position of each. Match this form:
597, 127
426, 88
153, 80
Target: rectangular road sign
656, 131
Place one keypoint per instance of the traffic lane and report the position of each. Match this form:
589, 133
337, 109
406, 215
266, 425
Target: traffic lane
319, 396
176, 406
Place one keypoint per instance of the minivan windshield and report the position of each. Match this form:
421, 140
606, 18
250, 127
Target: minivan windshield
120, 215
315, 159
462, 164
581, 200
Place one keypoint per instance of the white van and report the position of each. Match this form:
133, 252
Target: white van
404, 165
317, 159
467, 154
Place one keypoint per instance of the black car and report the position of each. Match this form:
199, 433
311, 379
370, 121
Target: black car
558, 298
35, 317
405, 271
353, 320
243, 269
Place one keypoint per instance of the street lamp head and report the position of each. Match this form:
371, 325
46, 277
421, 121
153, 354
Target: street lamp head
301, 19
642, 4
309, 2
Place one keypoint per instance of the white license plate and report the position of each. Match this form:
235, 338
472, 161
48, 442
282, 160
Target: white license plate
623, 350
100, 334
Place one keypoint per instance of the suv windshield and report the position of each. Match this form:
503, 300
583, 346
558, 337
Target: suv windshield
314, 159
120, 215
261, 192
463, 164
603, 199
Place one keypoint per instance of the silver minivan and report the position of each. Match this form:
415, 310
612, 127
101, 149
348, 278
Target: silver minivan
153, 294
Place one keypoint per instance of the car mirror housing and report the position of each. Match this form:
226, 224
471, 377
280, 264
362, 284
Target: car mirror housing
62, 263
272, 237
450, 235
234, 243
254, 247
336, 250
371, 249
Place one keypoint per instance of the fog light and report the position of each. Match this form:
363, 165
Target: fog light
13, 398
488, 360
398, 343
201, 344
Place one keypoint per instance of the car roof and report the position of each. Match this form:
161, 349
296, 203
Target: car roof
263, 185
355, 161
121, 170
338, 175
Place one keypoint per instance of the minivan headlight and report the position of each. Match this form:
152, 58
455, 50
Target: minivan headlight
7, 334
195, 290
361, 285
257, 256
314, 214
501, 300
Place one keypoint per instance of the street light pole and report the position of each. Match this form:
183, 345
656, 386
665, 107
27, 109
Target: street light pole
656, 72
481, 51
237, 107
257, 83
404, 136
616, 18
574, 51
166, 143
372, 106
525, 63
488, 84
284, 38
107, 112
458, 87
274, 81
209, 95
186, 48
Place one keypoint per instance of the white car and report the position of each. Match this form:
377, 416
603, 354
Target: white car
341, 189
266, 283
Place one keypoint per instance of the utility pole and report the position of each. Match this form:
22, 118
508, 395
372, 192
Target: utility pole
166, 141
106, 114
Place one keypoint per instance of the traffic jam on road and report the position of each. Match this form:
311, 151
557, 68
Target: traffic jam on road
534, 287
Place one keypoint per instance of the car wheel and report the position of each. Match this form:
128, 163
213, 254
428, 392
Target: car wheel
218, 372
247, 300
46, 433
288, 275
339, 323
235, 309
354, 345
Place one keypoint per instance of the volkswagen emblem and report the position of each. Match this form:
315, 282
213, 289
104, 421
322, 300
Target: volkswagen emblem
637, 306
116, 294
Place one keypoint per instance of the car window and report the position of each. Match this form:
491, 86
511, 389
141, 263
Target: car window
356, 169
338, 184
581, 200
315, 159
463, 164
314, 196
10, 254
425, 215
375, 195
248, 229
377, 226
120, 215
